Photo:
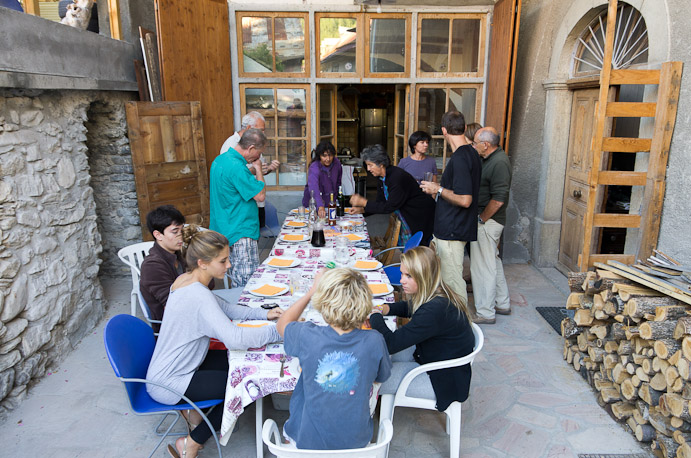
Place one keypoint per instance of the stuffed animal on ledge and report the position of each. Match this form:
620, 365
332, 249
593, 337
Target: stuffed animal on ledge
78, 14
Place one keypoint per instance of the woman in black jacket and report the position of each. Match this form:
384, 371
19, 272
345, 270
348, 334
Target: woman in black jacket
397, 192
439, 328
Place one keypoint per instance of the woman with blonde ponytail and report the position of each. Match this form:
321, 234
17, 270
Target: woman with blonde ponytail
182, 359
439, 328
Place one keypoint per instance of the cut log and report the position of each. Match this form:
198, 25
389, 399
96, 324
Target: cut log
684, 451
611, 346
659, 364
610, 360
667, 445
630, 291
657, 330
645, 433
600, 331
614, 305
671, 374
638, 359
631, 332
658, 382
675, 357
618, 331
678, 406
647, 366
684, 368
601, 384
586, 286
670, 312
622, 410
681, 437
631, 368
576, 280
628, 391
619, 374
649, 395
683, 327
665, 348
636, 309
646, 302
642, 375
677, 386
662, 406
686, 347
636, 381
610, 395
583, 317
582, 340
585, 301
569, 328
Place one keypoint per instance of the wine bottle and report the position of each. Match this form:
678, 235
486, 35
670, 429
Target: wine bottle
312, 206
340, 203
332, 210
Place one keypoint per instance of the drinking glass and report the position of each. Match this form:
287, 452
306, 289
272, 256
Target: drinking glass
429, 176
301, 213
341, 251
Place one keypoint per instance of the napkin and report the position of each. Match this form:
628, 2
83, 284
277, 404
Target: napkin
366, 264
378, 288
280, 262
296, 224
268, 290
354, 238
294, 237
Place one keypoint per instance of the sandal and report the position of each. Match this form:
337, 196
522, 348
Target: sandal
185, 415
172, 448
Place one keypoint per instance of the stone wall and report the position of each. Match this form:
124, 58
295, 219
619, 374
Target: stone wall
50, 294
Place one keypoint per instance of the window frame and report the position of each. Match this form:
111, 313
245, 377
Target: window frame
359, 54
239, 15
408, 21
276, 138
448, 87
451, 17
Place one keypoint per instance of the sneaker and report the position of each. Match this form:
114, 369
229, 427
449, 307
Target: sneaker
506, 311
482, 320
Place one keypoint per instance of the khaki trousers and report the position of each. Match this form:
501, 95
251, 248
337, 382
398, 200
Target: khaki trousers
451, 253
487, 271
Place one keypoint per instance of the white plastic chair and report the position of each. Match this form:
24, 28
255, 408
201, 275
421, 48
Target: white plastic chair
133, 256
453, 412
272, 438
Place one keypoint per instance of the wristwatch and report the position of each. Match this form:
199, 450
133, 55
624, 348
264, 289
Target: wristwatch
439, 191
479, 220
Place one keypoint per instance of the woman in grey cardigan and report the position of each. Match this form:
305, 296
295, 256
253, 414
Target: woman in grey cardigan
182, 359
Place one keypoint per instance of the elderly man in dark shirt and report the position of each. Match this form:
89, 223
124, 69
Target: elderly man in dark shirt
165, 261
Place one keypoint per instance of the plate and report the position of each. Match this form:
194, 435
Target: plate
380, 289
281, 262
294, 238
268, 289
295, 224
366, 265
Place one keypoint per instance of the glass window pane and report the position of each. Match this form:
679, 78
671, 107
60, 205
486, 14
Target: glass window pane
292, 154
436, 150
257, 49
261, 100
290, 44
463, 100
387, 45
270, 155
292, 118
337, 44
400, 127
434, 45
431, 107
325, 112
465, 45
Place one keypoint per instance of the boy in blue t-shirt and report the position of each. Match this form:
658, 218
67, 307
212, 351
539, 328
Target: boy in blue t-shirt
329, 409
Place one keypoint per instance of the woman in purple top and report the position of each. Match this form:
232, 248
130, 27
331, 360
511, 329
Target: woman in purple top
323, 177
418, 163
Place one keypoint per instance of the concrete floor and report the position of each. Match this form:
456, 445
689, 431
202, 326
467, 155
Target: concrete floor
525, 400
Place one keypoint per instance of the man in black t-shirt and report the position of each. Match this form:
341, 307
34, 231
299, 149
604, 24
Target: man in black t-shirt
455, 218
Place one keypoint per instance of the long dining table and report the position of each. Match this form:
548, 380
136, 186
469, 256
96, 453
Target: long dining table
259, 372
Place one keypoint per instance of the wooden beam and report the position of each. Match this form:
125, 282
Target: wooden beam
625, 258
32, 7
616, 220
114, 17
630, 110
635, 77
626, 145
619, 178
647, 280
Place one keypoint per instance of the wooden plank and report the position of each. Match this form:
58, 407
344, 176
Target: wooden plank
142, 86
623, 270
166, 171
167, 138
665, 119
598, 135
165, 109
32, 7
616, 220
173, 190
621, 178
658, 281
114, 18
626, 145
184, 143
630, 110
603, 258
628, 76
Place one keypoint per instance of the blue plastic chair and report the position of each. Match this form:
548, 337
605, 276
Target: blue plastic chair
393, 271
271, 227
146, 310
129, 345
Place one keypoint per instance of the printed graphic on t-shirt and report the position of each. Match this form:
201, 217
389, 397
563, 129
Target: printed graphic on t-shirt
338, 372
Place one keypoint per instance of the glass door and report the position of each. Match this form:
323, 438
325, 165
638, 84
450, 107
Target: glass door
400, 138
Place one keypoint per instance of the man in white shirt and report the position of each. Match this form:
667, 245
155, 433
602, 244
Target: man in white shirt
252, 120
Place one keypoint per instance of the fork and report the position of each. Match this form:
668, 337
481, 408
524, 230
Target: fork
283, 362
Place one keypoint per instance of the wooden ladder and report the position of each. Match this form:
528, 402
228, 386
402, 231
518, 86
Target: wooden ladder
668, 80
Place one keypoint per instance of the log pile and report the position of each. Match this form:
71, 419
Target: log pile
632, 342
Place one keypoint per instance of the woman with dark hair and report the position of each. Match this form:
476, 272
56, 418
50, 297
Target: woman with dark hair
470, 131
397, 192
182, 360
323, 177
439, 328
417, 164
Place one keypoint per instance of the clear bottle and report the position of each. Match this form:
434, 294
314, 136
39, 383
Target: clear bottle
332, 210
312, 206
340, 203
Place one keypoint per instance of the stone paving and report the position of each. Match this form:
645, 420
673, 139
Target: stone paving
525, 400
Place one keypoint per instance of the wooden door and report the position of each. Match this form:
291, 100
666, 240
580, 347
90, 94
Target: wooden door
401, 110
506, 19
194, 47
578, 163
167, 145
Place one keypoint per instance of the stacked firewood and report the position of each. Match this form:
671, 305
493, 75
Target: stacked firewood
633, 345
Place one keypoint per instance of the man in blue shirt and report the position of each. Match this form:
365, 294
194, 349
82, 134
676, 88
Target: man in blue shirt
234, 194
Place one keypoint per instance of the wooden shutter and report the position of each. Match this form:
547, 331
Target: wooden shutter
194, 47
502, 67
167, 145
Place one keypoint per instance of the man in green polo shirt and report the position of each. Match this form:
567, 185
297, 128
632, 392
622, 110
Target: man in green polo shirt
489, 284
234, 194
